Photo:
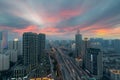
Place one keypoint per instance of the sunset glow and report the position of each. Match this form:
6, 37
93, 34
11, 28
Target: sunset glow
61, 17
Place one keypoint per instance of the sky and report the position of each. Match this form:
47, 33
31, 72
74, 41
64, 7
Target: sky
60, 19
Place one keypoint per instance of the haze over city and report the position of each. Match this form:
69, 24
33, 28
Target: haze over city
59, 39
61, 17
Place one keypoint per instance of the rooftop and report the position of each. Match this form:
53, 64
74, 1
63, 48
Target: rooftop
115, 71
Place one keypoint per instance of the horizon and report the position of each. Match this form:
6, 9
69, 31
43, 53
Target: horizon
12, 36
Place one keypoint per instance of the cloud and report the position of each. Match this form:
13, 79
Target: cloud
13, 21
27, 29
98, 14
61, 17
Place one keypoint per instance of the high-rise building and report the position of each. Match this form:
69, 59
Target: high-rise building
15, 45
33, 47
116, 45
13, 55
30, 49
4, 62
41, 44
3, 40
85, 47
41, 40
78, 43
0, 35
94, 63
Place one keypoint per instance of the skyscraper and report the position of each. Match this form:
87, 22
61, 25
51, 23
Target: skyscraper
3, 40
94, 63
78, 42
0, 35
85, 47
16, 44
30, 49
41, 44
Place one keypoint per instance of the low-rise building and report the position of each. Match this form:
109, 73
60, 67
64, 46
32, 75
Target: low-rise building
4, 62
115, 74
19, 71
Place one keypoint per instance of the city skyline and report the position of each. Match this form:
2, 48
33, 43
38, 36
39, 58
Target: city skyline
60, 18
36, 58
59, 40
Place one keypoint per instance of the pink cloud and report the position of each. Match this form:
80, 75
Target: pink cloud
30, 28
70, 13
65, 14
51, 31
